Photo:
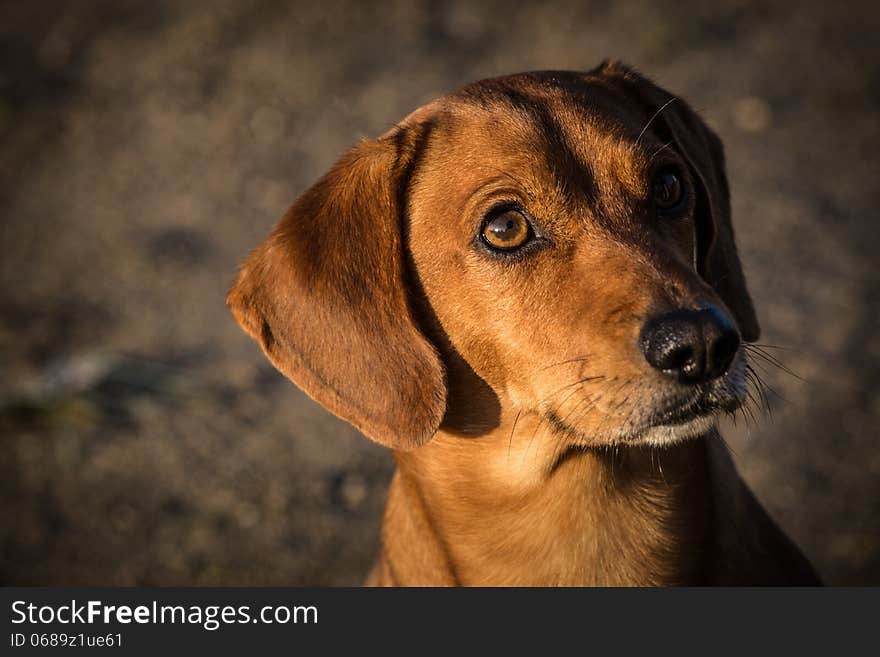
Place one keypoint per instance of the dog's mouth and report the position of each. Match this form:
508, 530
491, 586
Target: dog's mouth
705, 405
678, 419
662, 415
687, 418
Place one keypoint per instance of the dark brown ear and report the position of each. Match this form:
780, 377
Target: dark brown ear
325, 296
716, 256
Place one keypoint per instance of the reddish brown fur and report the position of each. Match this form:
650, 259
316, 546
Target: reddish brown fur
512, 390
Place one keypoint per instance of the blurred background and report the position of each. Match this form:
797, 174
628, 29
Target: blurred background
148, 146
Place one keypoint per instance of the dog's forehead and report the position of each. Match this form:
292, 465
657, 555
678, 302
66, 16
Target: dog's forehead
582, 105
592, 103
550, 130
588, 92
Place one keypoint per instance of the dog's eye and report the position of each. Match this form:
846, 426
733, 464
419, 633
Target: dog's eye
667, 189
506, 230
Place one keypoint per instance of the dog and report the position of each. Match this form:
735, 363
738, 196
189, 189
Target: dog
530, 291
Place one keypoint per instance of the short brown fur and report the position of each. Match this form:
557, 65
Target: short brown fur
523, 419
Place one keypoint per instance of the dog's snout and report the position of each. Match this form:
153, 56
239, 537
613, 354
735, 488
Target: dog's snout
692, 346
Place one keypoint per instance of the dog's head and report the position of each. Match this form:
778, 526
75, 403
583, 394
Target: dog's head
562, 238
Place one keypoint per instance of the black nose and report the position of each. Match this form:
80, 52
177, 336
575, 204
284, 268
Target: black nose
691, 345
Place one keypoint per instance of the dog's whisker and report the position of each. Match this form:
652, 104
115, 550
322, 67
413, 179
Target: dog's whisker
586, 401
659, 150
601, 429
755, 374
742, 412
771, 346
760, 383
577, 359
541, 420
748, 410
512, 430
651, 120
762, 361
772, 360
749, 394
586, 379
763, 385
758, 351
754, 378
576, 386
759, 401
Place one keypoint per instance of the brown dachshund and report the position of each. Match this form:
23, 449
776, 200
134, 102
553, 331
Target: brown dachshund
529, 290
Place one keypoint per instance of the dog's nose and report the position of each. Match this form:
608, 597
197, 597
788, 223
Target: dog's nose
691, 345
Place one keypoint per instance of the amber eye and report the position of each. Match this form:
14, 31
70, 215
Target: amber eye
506, 230
667, 190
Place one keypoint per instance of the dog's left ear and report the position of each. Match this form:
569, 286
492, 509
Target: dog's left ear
716, 257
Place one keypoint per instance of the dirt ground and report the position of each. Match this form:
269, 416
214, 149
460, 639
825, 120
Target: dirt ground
148, 146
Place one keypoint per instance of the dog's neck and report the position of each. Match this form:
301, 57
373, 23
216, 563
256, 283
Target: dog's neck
519, 513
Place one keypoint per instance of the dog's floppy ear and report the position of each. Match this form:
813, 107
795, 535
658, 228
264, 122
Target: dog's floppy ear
716, 257
325, 295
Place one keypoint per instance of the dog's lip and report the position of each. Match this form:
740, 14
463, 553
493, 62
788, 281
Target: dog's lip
690, 410
679, 413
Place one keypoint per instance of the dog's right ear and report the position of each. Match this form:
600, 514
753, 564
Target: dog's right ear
716, 256
326, 297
